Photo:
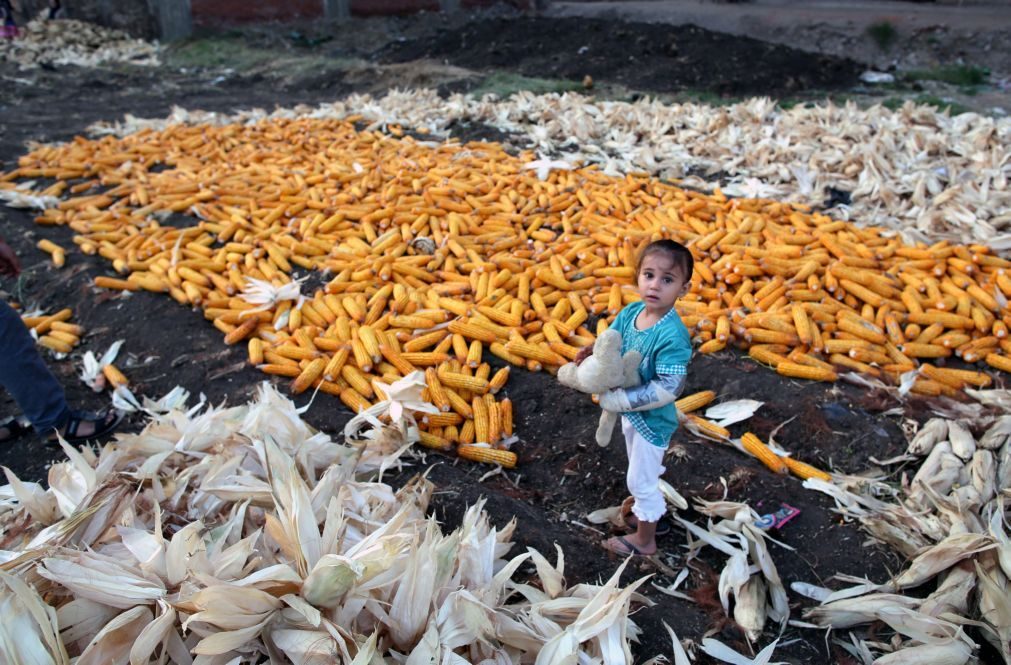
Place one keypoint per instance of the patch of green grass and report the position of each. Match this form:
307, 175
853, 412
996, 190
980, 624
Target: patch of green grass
504, 84
964, 75
955, 108
884, 34
217, 52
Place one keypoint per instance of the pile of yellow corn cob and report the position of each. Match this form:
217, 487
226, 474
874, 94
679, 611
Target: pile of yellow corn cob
514, 266
54, 331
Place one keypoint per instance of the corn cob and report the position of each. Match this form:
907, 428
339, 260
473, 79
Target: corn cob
464, 382
354, 400
805, 471
998, 361
311, 372
115, 377
476, 453
705, 428
798, 371
280, 370
255, 347
480, 411
499, 380
695, 401
757, 448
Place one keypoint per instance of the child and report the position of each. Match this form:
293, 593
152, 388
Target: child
649, 417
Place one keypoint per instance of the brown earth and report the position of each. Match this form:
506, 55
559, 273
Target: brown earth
562, 475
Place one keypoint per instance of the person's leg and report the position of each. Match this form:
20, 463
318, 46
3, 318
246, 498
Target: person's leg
25, 376
645, 466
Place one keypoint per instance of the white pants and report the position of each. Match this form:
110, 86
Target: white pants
645, 466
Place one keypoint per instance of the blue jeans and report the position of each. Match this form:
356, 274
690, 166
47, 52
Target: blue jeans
25, 376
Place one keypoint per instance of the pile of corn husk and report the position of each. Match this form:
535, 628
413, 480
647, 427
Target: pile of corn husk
949, 520
240, 534
70, 42
924, 173
749, 577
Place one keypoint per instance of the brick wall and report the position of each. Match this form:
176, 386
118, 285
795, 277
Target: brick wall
217, 12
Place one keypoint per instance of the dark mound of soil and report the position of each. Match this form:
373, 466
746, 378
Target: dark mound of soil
645, 56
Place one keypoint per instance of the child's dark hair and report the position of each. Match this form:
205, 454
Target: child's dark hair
680, 255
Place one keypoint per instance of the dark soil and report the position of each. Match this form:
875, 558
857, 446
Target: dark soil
562, 474
645, 56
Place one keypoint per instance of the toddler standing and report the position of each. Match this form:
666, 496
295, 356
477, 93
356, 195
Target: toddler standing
649, 417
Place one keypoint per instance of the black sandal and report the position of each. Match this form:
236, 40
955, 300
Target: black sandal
15, 428
105, 422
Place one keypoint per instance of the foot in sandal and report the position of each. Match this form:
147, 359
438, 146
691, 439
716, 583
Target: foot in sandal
83, 426
630, 546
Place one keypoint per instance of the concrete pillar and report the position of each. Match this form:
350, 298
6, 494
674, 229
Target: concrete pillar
337, 9
173, 18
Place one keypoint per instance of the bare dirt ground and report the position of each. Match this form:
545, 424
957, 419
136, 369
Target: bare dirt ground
562, 475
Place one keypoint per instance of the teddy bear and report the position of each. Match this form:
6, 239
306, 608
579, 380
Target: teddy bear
605, 370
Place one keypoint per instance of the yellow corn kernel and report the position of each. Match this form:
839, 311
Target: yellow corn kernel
434, 441
357, 380
475, 453
798, 371
763, 453
425, 341
280, 370
474, 353
336, 362
480, 411
499, 380
436, 393
998, 361
312, 372
115, 377
354, 400
695, 401
705, 428
464, 382
472, 331
805, 471
506, 412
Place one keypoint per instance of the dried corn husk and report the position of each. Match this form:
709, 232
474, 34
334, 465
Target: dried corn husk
933, 432
305, 546
71, 42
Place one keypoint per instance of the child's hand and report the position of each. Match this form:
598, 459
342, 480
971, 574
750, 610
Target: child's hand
583, 354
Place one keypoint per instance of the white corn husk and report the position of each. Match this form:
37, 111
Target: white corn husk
30, 630
962, 442
302, 554
997, 434
952, 653
941, 557
849, 612
91, 372
939, 472
995, 607
952, 594
71, 42
112, 644
933, 432
750, 607
983, 474
1003, 480
725, 654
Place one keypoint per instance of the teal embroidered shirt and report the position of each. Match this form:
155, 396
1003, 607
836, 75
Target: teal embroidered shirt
666, 349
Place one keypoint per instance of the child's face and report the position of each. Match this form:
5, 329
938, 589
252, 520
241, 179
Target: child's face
660, 282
